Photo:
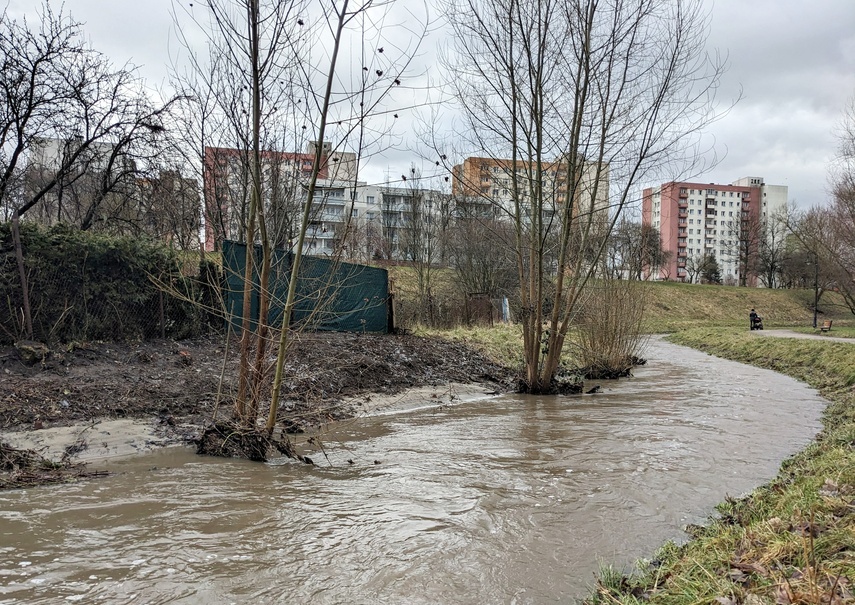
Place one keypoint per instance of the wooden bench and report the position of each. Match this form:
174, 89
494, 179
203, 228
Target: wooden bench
826, 326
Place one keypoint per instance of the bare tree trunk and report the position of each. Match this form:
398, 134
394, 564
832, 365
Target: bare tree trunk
301, 236
22, 273
582, 95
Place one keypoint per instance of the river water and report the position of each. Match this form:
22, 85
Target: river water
512, 499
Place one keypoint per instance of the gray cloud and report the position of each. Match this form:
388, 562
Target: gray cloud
795, 63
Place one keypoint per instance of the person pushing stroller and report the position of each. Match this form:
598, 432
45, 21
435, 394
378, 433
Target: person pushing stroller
755, 320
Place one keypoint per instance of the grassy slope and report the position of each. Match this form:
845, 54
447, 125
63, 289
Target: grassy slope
672, 306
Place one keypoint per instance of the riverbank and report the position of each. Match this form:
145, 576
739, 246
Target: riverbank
791, 540
104, 439
108, 400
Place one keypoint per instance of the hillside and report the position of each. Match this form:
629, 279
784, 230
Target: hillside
670, 306
673, 306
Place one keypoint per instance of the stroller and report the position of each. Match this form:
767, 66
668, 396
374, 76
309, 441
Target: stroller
756, 322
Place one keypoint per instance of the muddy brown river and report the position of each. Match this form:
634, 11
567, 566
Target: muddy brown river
512, 499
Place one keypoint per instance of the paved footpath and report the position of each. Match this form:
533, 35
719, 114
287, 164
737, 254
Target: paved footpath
791, 334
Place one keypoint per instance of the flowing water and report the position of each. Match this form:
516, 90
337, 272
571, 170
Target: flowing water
513, 499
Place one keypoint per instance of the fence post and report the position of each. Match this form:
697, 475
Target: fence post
25, 291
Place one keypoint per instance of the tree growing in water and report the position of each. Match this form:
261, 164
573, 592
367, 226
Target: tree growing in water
287, 61
572, 103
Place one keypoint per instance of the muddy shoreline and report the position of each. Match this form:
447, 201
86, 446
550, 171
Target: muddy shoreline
104, 439
108, 400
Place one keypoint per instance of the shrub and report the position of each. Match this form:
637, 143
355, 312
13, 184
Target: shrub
90, 286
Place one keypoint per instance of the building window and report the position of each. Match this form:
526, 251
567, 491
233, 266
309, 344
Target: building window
369, 199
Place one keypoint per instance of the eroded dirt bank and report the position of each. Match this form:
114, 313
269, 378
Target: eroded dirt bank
119, 398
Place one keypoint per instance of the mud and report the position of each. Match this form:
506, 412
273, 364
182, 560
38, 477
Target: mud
177, 382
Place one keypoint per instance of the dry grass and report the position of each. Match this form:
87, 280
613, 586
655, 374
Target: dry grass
673, 307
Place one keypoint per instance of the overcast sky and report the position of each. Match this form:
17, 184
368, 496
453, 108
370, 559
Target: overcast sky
793, 59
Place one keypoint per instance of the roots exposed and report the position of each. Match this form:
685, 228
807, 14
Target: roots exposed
229, 440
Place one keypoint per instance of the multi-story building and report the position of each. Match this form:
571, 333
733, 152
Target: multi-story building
340, 217
488, 185
696, 220
348, 217
79, 182
405, 222
228, 184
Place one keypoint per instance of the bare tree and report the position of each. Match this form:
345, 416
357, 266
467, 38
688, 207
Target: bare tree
826, 235
841, 230
420, 236
634, 251
171, 206
773, 250
481, 253
694, 267
266, 49
572, 103
74, 117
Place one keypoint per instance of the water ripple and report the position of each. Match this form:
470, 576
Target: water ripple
509, 500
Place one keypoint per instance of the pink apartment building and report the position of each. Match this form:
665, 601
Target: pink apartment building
695, 219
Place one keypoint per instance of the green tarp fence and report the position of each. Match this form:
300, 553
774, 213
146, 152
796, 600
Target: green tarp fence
331, 295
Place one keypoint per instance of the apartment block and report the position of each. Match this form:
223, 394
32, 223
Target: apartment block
228, 186
698, 219
489, 185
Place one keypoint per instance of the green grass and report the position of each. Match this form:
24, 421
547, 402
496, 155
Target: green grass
502, 343
672, 306
838, 332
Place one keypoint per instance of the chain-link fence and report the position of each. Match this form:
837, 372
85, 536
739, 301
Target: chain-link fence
59, 284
